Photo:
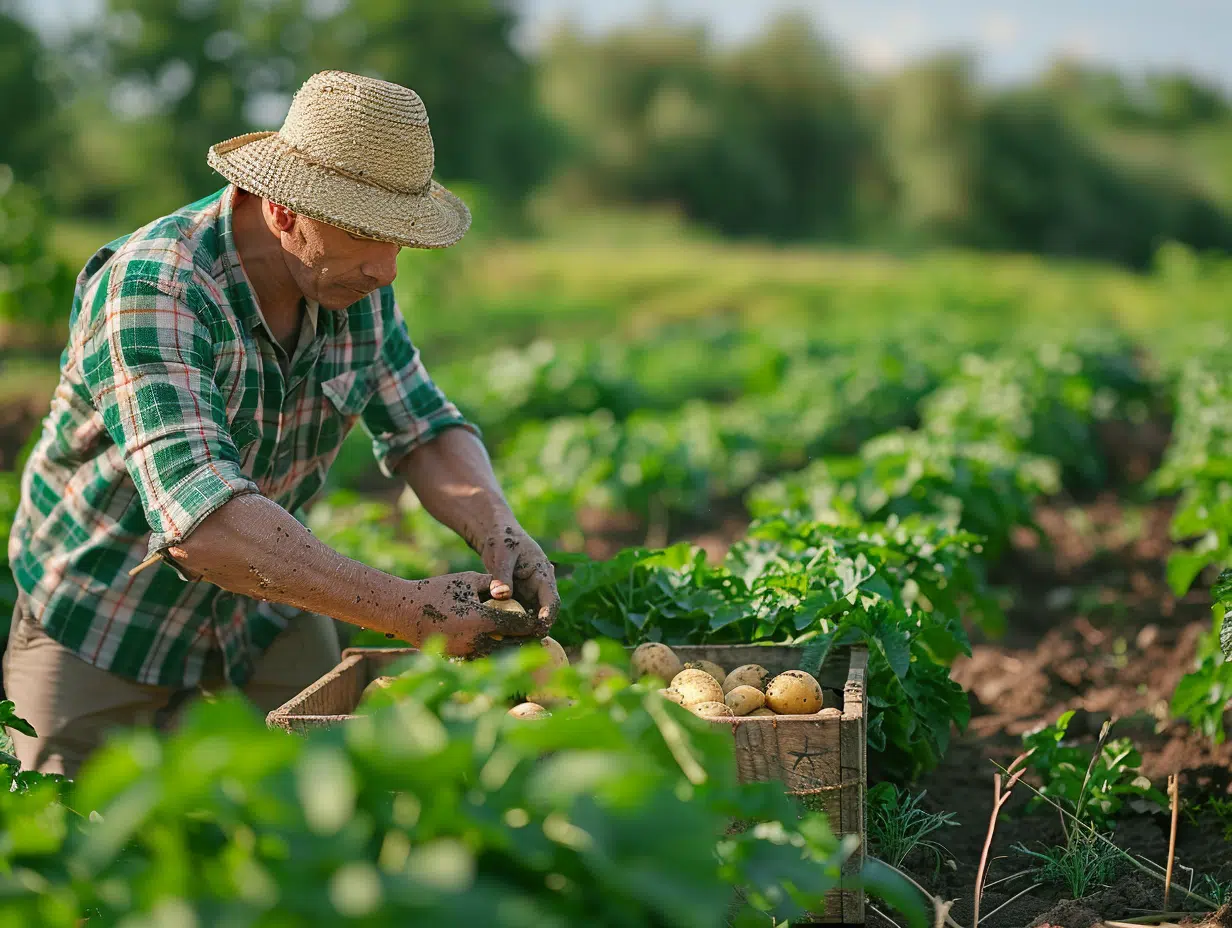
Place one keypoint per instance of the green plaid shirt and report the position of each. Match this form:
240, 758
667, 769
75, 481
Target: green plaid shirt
172, 400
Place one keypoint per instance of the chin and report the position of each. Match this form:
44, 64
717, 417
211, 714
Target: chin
353, 296
343, 300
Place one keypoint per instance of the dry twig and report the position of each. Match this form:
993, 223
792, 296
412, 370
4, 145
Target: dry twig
1000, 796
1174, 796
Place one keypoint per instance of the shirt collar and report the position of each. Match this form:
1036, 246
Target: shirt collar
239, 289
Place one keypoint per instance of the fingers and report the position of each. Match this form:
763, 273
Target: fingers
546, 595
501, 559
475, 583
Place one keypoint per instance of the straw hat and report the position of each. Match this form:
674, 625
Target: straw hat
354, 152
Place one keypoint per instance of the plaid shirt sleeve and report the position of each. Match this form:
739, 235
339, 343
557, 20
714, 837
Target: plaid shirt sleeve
407, 408
148, 364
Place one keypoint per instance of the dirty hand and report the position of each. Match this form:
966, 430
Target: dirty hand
451, 605
521, 570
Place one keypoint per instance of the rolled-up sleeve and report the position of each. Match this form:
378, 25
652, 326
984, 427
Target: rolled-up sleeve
407, 408
148, 363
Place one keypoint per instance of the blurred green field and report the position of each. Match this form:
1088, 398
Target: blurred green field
628, 276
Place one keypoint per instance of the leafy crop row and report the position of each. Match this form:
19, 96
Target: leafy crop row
434, 807
1198, 466
887, 545
904, 589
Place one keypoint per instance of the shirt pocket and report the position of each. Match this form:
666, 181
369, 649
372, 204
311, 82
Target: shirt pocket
351, 390
346, 398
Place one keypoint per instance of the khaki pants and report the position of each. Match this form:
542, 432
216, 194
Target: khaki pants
72, 704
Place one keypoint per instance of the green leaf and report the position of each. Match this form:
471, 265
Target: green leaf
10, 719
1183, 569
895, 644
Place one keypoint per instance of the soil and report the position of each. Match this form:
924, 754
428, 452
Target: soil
1094, 628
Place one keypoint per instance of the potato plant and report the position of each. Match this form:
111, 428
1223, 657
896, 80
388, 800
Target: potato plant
905, 589
1198, 467
435, 807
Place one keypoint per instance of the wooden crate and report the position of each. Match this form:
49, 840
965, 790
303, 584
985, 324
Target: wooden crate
821, 759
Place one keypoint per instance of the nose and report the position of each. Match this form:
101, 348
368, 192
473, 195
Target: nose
381, 263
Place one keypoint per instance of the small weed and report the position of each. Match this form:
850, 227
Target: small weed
897, 825
1218, 892
1219, 807
1093, 785
1084, 863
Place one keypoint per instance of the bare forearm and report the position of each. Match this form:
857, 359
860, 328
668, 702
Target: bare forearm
452, 476
254, 547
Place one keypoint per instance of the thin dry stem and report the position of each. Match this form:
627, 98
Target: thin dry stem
1005, 879
882, 914
1000, 796
1175, 799
1014, 898
1082, 793
941, 912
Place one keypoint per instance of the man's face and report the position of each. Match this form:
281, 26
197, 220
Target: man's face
334, 267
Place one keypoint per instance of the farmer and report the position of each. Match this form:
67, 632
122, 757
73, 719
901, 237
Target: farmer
217, 358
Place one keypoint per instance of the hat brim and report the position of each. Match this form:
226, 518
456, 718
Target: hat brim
262, 163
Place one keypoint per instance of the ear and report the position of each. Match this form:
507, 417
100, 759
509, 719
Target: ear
279, 217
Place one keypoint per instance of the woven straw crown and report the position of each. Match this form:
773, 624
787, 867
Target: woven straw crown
355, 152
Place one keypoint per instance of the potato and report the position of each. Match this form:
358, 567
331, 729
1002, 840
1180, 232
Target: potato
794, 692
543, 675
656, 660
378, 683
762, 712
556, 658
505, 605
603, 672
528, 710
697, 686
711, 709
754, 675
672, 695
710, 667
745, 699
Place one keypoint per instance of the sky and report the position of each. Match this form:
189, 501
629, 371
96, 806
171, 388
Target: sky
1013, 39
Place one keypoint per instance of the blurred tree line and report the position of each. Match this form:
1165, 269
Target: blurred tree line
778, 139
